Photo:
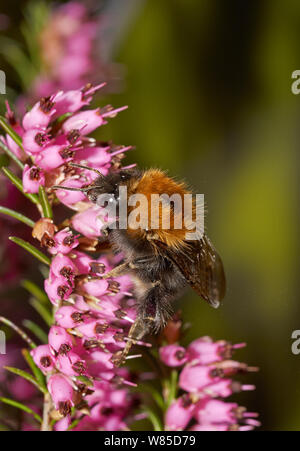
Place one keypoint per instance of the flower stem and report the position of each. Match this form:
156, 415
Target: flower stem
18, 405
16, 215
46, 423
31, 249
19, 331
46, 207
157, 425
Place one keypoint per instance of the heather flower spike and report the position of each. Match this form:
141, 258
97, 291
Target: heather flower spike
90, 314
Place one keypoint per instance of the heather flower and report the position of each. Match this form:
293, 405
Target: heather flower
173, 355
43, 358
204, 381
62, 393
33, 178
63, 242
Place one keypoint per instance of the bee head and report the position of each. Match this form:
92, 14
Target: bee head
109, 186
104, 185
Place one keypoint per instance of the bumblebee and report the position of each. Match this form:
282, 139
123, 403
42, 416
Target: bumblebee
161, 261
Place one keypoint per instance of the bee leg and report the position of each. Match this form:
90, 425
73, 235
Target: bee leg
154, 306
137, 331
117, 271
138, 263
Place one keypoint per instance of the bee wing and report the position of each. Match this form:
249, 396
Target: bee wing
202, 268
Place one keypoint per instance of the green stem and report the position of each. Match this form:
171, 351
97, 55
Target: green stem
19, 331
42, 310
28, 377
35, 290
16, 215
31, 249
18, 405
10, 131
46, 207
11, 155
153, 417
35, 370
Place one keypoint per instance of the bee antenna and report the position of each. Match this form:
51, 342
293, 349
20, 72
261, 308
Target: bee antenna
71, 189
81, 166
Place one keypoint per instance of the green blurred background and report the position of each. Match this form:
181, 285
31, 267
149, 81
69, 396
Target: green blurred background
208, 84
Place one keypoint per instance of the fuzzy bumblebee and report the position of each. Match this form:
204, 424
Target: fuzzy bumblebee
161, 260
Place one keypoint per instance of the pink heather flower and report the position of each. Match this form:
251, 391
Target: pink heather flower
68, 316
63, 266
62, 393
59, 340
173, 355
96, 287
33, 178
85, 121
179, 414
194, 378
63, 242
204, 378
40, 115
204, 350
34, 140
43, 358
63, 424
82, 262
89, 222
96, 157
57, 289
70, 198
71, 365
214, 411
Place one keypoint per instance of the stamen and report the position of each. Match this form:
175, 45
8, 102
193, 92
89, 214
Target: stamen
113, 112
122, 150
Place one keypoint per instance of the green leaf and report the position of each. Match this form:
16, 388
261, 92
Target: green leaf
31, 249
10, 131
36, 371
18, 184
26, 376
43, 311
46, 207
36, 330
19, 331
11, 155
17, 215
35, 290
21, 406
